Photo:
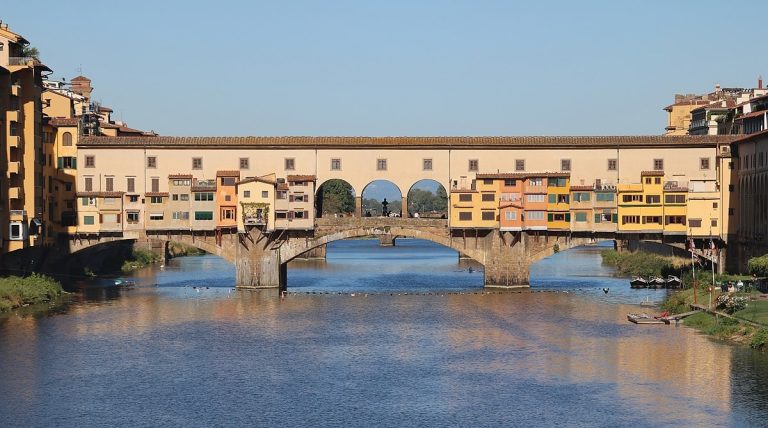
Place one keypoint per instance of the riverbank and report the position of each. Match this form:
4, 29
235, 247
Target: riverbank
740, 318
16, 291
644, 264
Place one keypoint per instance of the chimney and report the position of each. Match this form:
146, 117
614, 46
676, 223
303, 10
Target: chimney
759, 82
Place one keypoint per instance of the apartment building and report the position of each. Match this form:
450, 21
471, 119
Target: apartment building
256, 197
295, 202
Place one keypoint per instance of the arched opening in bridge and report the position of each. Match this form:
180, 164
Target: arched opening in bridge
381, 198
427, 199
335, 197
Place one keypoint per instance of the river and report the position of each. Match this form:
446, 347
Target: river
378, 336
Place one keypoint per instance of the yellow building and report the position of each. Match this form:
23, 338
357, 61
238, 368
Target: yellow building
100, 212
679, 115
257, 201
558, 201
705, 219
640, 207
675, 208
22, 182
476, 205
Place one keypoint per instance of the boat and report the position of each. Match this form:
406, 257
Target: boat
646, 319
638, 282
673, 281
657, 282
124, 283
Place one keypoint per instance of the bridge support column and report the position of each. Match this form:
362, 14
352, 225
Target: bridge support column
257, 264
404, 207
358, 206
386, 241
507, 261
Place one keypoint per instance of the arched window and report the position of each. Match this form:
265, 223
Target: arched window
66, 139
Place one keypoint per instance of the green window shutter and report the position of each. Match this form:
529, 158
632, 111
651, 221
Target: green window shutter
552, 199
74, 163
615, 218
585, 197
597, 218
60, 162
567, 216
550, 216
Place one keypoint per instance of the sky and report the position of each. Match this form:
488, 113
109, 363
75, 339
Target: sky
384, 68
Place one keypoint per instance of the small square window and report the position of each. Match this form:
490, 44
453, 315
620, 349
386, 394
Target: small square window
246, 193
290, 164
612, 164
381, 164
197, 163
519, 164
474, 165
264, 193
151, 162
704, 163
335, 164
565, 164
658, 164
427, 165
244, 164
90, 161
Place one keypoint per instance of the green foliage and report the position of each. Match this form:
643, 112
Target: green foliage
760, 340
336, 197
758, 265
140, 258
676, 303
18, 291
30, 51
641, 263
556, 248
423, 201
177, 249
374, 205
720, 327
731, 303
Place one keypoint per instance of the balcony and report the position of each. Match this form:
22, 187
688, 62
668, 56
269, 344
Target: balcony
15, 193
23, 60
14, 167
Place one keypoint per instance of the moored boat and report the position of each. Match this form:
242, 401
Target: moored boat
638, 282
646, 319
657, 282
673, 281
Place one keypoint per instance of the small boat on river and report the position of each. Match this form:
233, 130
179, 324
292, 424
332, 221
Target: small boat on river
638, 282
646, 319
657, 282
673, 282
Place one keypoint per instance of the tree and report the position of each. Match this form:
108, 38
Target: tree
30, 52
336, 196
425, 201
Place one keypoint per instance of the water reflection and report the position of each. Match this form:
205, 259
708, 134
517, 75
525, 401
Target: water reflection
167, 353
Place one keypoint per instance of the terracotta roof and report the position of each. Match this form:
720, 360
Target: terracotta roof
753, 114
282, 186
301, 178
180, 176
582, 188
750, 137
228, 173
405, 142
128, 130
80, 78
105, 109
254, 179
510, 204
198, 188
501, 175
657, 173
64, 121
101, 194
718, 105
686, 103
163, 194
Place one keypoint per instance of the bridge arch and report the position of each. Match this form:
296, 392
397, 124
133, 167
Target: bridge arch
375, 192
334, 196
427, 197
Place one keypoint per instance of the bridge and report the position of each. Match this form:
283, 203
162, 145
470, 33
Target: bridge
261, 258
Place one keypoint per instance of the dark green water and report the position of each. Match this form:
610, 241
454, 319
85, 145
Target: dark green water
167, 354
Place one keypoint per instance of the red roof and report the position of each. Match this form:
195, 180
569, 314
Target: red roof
301, 178
180, 176
163, 194
502, 175
652, 173
228, 173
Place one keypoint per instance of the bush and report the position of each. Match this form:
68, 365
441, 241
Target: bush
18, 291
640, 263
758, 265
139, 259
730, 303
760, 340
676, 303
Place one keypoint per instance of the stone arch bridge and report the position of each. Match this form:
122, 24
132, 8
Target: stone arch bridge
261, 258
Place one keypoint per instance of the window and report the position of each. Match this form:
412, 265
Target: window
489, 197
16, 231
156, 216
510, 182
714, 205
426, 165
653, 219
281, 214
630, 219
674, 219
197, 163
133, 198
132, 217
68, 187
612, 164
110, 218
227, 213
182, 182
203, 196
151, 162
487, 181
66, 139
88, 201
535, 215
184, 197
244, 163
713, 222
558, 217
632, 198
674, 199
228, 181
658, 164
704, 163
563, 199
282, 194
335, 164
290, 164
265, 193
647, 180
300, 214
155, 184
581, 196
565, 164
694, 222
489, 215
131, 184
180, 215
731, 211
109, 184
175, 197
652, 199
603, 218
465, 197
465, 216
657, 180
155, 199
89, 184
519, 164
474, 165
90, 161
203, 215
581, 216
536, 181
556, 182
246, 193
510, 215
381, 164
552, 198
535, 198
88, 220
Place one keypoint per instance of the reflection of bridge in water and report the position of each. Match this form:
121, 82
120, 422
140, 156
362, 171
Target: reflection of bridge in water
261, 257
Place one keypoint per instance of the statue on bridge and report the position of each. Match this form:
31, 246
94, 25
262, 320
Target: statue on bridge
384, 210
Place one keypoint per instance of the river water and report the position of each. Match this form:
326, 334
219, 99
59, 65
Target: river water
412, 340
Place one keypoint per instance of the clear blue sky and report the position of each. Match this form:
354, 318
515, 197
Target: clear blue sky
396, 67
